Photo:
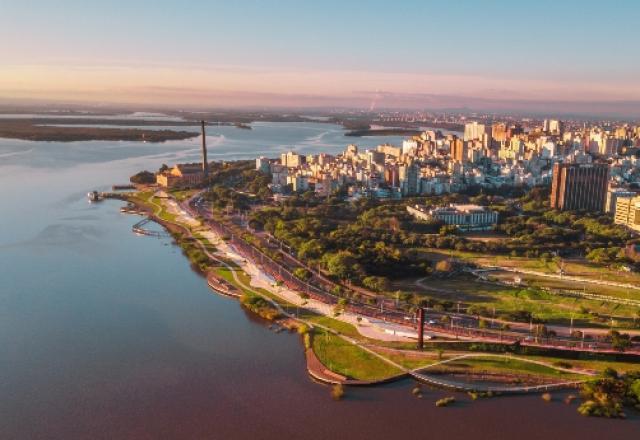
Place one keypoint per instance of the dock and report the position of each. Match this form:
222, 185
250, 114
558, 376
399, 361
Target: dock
123, 187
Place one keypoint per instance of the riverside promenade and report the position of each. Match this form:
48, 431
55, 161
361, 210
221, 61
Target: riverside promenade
226, 250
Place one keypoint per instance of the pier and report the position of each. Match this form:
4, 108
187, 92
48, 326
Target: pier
123, 187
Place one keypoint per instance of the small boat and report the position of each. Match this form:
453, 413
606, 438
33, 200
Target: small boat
94, 196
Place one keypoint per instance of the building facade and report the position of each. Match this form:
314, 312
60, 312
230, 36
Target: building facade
628, 212
612, 198
579, 187
181, 176
464, 217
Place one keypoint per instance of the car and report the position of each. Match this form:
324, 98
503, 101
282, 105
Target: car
431, 322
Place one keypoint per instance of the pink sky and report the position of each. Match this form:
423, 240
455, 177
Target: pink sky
240, 86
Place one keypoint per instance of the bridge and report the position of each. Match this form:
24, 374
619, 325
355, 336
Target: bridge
420, 376
138, 228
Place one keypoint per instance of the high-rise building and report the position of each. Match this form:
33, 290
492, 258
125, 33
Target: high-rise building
292, 160
375, 158
553, 126
458, 150
499, 132
473, 131
389, 150
263, 165
409, 146
514, 130
408, 175
579, 187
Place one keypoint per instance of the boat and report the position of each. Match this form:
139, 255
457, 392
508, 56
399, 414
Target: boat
94, 196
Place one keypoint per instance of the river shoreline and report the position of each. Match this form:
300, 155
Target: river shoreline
315, 368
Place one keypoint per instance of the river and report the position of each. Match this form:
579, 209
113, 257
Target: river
107, 335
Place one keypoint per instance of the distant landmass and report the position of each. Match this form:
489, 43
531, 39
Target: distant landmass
28, 130
383, 132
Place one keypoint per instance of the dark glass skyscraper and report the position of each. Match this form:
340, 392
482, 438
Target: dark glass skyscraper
579, 187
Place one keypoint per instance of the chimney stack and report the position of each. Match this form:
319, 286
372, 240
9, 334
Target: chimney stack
205, 164
420, 328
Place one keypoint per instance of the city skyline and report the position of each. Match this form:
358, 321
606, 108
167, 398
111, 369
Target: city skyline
551, 57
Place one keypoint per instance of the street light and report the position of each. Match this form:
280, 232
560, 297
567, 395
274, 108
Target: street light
571, 327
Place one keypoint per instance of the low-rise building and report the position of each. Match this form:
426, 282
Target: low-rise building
181, 176
628, 212
464, 217
612, 198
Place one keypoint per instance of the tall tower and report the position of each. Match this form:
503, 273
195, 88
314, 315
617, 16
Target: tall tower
579, 187
420, 328
205, 164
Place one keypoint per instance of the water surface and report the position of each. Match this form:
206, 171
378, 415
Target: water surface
107, 335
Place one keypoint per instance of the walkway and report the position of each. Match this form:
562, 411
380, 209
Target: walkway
287, 295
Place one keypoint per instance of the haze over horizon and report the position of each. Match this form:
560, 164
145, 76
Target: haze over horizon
557, 57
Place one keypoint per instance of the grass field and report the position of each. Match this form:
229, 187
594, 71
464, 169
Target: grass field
558, 284
341, 327
182, 195
543, 305
349, 360
418, 359
507, 366
574, 267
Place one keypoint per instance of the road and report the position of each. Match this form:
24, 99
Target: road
315, 289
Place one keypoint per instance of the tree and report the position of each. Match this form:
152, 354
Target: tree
619, 341
342, 264
143, 177
301, 273
340, 306
444, 266
448, 230
378, 284
310, 249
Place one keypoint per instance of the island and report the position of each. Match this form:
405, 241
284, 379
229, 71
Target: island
32, 131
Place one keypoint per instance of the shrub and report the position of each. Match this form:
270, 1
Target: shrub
445, 401
337, 391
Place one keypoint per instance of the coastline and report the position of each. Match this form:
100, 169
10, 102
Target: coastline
316, 369
48, 133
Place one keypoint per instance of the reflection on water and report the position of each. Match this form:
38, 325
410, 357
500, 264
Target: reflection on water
104, 334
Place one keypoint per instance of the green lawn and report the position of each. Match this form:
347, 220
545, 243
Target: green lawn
575, 267
543, 305
182, 194
349, 360
412, 359
341, 327
506, 365
408, 359
564, 284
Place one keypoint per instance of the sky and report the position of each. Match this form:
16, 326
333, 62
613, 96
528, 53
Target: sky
322, 53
